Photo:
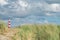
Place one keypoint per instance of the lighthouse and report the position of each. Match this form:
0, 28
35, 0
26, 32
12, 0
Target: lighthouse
9, 23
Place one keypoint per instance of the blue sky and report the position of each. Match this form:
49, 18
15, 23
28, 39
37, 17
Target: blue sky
30, 11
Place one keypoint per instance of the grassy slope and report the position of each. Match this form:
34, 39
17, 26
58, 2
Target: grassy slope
35, 32
38, 32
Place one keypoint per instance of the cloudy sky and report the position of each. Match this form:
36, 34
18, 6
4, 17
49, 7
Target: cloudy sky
30, 11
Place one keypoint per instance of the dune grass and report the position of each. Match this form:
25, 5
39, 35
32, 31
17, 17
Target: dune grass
38, 32
3, 27
34, 32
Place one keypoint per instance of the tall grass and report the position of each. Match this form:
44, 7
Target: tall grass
34, 31
3, 27
38, 32
59, 30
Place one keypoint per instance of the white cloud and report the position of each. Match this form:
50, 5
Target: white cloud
3, 2
55, 7
23, 4
23, 8
50, 14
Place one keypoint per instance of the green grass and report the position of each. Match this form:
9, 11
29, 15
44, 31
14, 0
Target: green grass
39, 32
34, 32
3, 27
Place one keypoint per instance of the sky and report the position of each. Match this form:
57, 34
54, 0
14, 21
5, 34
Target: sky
30, 11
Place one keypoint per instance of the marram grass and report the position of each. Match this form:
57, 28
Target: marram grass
38, 32
35, 32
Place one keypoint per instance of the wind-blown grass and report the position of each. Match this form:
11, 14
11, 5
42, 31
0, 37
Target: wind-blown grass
33, 32
3, 27
38, 32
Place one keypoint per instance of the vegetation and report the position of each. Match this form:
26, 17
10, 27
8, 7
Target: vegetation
33, 32
3, 27
38, 32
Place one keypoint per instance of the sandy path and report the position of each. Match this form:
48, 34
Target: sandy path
8, 35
